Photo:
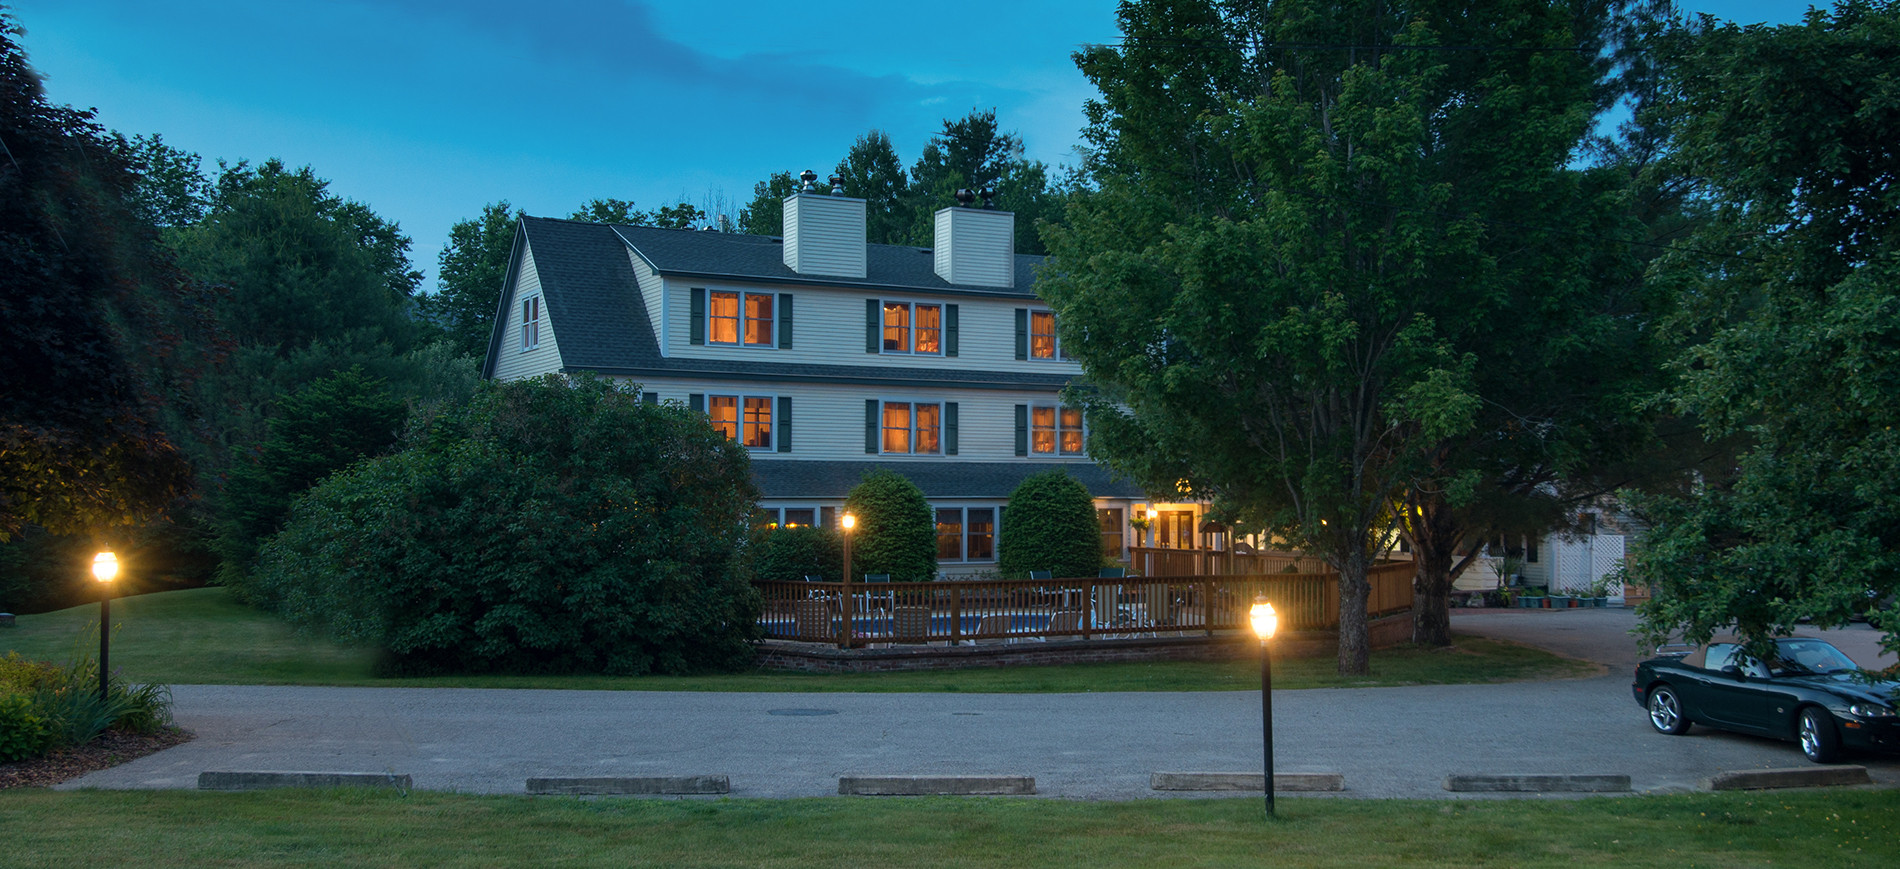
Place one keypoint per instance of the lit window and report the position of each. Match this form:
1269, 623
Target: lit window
798, 517
950, 534
1042, 336
896, 327
912, 427
731, 315
722, 325
913, 328
758, 318
966, 533
744, 418
1055, 431
531, 323
896, 427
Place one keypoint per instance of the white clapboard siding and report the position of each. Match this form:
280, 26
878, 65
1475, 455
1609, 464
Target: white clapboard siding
824, 235
513, 363
975, 247
829, 323
828, 419
652, 292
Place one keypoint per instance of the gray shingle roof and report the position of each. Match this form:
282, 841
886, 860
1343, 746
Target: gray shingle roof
781, 478
762, 258
601, 322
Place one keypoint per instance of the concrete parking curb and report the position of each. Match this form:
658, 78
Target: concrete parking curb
936, 785
224, 780
1283, 782
1520, 783
1795, 777
630, 785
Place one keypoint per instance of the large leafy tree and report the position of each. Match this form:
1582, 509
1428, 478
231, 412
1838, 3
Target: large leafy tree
100, 329
1787, 135
1311, 225
473, 267
871, 172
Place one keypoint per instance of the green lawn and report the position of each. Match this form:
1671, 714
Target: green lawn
201, 636
340, 827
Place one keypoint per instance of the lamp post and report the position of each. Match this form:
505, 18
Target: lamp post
1154, 532
1265, 622
105, 566
849, 522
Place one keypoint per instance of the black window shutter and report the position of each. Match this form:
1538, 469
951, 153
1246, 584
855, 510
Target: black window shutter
870, 425
1022, 334
949, 428
873, 340
949, 330
784, 321
1022, 429
697, 401
650, 398
784, 422
697, 312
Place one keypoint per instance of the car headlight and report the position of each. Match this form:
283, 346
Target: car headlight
1866, 709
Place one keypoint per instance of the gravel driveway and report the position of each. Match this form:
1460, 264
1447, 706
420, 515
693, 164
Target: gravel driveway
1388, 742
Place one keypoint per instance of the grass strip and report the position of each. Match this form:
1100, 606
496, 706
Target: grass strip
201, 636
1844, 828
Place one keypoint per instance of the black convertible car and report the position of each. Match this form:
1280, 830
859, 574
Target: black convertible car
1809, 692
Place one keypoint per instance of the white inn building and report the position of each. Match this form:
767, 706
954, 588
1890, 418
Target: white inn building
825, 356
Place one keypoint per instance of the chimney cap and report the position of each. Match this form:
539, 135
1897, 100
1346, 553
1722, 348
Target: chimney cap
808, 177
965, 197
989, 196
837, 185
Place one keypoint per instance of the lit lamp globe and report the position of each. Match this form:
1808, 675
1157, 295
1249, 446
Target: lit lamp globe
105, 566
850, 521
1265, 620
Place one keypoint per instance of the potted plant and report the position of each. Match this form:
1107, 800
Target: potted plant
1559, 601
1600, 590
1533, 598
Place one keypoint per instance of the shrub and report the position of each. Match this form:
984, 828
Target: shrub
795, 553
549, 526
1051, 525
897, 530
23, 730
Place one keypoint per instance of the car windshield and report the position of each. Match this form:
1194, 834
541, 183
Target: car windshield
1802, 657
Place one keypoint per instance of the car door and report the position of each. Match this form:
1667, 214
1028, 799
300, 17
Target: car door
1734, 692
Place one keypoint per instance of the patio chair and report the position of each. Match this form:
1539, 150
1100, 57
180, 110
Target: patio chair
1112, 573
1065, 621
811, 619
913, 624
1042, 574
994, 624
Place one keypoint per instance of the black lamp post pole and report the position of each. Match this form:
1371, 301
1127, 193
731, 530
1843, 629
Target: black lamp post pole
1266, 715
105, 634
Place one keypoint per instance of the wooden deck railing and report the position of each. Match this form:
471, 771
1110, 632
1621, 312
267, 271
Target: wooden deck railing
955, 611
1151, 561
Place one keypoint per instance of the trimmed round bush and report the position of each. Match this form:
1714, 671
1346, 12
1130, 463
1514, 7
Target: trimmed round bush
1051, 525
795, 553
897, 530
550, 526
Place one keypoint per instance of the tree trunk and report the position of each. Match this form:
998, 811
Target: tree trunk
1355, 647
1435, 538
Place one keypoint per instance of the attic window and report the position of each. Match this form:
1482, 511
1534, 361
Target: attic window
530, 323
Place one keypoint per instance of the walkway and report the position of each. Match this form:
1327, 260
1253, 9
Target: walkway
1388, 742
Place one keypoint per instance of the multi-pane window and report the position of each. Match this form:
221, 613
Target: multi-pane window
1111, 520
912, 427
1055, 430
531, 323
913, 328
744, 418
732, 316
966, 533
1042, 336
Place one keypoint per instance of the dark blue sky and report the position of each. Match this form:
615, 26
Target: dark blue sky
428, 109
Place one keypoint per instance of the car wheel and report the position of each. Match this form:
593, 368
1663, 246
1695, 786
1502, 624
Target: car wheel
1819, 740
1665, 711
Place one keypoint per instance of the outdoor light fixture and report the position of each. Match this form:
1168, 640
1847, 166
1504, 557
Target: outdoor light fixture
848, 522
1265, 622
105, 566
